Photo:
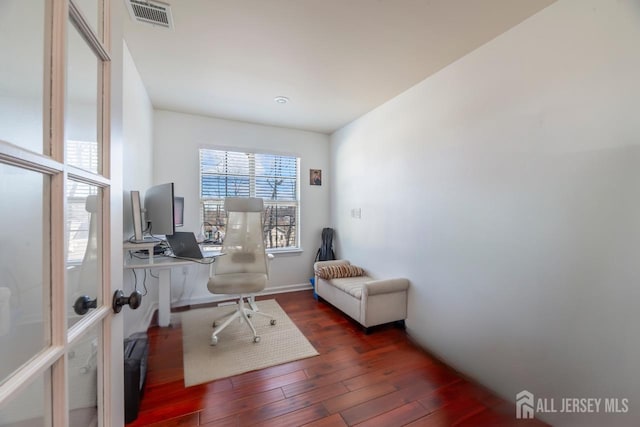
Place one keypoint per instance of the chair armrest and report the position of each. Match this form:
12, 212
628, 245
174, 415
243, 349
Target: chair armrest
385, 286
270, 257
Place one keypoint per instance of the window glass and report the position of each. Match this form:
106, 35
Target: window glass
90, 10
81, 123
29, 407
82, 376
272, 177
276, 177
24, 279
84, 243
21, 73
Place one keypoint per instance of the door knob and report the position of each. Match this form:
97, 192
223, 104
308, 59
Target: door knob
134, 300
83, 304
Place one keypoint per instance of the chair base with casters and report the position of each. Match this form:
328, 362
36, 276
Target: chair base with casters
245, 286
243, 313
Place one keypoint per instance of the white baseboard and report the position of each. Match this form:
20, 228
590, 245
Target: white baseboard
145, 322
268, 291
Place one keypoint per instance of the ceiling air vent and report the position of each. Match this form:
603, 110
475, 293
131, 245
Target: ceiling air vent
151, 12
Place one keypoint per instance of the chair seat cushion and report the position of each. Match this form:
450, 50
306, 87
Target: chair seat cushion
237, 283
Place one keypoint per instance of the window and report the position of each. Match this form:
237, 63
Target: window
84, 155
272, 177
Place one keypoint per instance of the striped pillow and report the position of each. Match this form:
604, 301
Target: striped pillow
336, 271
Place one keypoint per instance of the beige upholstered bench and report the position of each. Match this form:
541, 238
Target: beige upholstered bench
369, 302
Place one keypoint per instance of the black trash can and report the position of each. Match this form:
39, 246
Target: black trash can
136, 349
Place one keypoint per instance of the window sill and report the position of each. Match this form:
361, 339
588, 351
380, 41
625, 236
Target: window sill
274, 252
285, 252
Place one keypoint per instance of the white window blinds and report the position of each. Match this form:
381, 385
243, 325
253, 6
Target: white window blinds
272, 177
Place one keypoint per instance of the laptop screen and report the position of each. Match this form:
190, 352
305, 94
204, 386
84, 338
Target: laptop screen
184, 245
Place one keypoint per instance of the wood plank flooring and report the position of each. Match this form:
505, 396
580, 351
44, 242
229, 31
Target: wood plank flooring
380, 379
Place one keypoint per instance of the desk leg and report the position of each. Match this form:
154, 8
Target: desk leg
164, 297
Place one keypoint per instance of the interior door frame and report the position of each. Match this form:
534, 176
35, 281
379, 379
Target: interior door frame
59, 16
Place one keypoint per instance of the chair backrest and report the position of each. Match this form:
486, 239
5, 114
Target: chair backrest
90, 267
243, 245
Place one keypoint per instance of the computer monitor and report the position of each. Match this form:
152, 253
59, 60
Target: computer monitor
159, 209
136, 210
178, 211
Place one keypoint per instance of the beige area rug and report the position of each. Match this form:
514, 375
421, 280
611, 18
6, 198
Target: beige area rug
236, 352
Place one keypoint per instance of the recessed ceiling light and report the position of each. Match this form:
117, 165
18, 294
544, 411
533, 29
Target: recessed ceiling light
281, 99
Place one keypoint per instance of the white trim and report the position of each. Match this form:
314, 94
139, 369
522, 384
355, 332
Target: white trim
248, 150
87, 323
277, 252
87, 32
145, 321
87, 177
29, 372
17, 156
268, 291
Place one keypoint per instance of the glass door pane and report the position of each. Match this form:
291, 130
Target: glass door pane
41, 275
83, 380
90, 9
24, 279
31, 407
82, 145
84, 254
21, 74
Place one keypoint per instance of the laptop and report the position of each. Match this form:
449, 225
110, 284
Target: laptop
184, 245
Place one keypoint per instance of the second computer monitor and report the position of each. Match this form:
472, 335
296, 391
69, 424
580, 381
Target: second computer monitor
159, 209
178, 211
136, 210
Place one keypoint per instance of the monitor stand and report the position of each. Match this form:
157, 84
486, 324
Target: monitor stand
146, 239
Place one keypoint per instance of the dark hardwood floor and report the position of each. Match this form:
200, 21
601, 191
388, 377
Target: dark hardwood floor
380, 379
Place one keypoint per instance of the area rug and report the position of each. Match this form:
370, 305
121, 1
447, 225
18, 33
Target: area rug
236, 352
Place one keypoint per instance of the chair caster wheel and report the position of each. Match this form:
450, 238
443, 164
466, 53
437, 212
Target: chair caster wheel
249, 315
256, 339
214, 340
214, 324
273, 322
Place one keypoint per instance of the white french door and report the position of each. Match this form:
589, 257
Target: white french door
55, 189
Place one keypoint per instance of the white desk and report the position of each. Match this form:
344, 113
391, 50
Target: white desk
163, 264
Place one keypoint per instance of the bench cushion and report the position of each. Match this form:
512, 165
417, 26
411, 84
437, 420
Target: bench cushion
351, 285
368, 301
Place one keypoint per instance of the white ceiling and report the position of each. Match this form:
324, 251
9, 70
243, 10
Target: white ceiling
334, 59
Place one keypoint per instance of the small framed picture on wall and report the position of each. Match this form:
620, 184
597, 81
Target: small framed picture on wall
315, 176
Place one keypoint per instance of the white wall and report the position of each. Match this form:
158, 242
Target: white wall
507, 189
138, 129
176, 142
137, 164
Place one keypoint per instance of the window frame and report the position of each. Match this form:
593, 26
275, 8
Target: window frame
296, 247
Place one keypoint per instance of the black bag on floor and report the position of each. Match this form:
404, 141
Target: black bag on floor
325, 253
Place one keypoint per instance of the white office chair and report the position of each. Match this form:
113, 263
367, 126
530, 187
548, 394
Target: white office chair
242, 270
